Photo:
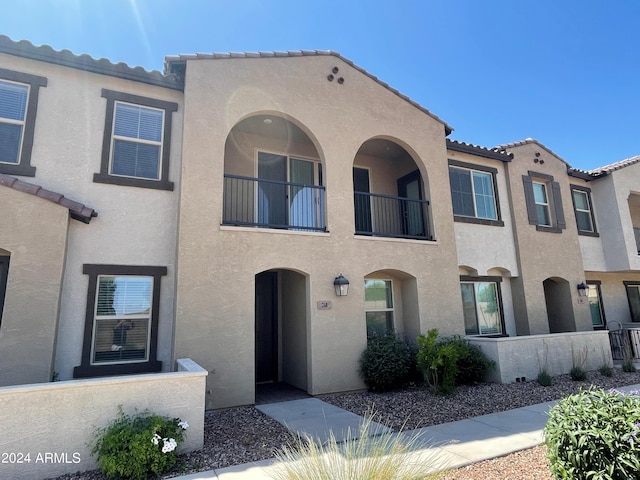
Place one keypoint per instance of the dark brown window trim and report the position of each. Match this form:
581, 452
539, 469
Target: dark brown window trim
490, 279
481, 221
152, 365
627, 284
541, 176
4, 275
23, 167
104, 176
553, 192
586, 190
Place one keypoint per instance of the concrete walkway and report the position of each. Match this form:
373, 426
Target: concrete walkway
454, 444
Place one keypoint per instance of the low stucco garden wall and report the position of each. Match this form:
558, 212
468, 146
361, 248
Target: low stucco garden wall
523, 357
55, 422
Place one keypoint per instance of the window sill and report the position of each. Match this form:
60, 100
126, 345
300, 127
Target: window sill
478, 221
88, 371
543, 228
17, 169
588, 234
132, 182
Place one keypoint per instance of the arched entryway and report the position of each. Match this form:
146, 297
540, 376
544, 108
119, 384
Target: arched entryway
557, 296
281, 326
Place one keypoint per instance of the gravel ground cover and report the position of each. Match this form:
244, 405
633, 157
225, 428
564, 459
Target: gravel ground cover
240, 435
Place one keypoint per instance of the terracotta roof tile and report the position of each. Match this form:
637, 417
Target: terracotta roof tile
495, 153
45, 53
171, 61
615, 166
77, 210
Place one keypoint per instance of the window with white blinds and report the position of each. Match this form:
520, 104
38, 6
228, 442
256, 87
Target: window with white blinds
122, 325
13, 107
137, 141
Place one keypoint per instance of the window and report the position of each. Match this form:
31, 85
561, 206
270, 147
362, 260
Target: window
633, 296
482, 305
595, 304
544, 202
18, 107
474, 194
137, 141
584, 213
121, 321
378, 299
4, 273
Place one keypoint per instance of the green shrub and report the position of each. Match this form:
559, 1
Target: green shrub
628, 367
368, 453
438, 362
387, 363
472, 364
132, 447
544, 378
605, 370
595, 434
578, 374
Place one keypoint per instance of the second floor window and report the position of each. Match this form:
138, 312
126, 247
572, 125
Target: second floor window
544, 202
13, 108
137, 141
474, 194
585, 219
18, 106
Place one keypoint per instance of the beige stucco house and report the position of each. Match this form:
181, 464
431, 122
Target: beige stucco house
214, 206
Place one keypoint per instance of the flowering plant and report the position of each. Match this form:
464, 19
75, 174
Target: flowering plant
133, 446
595, 434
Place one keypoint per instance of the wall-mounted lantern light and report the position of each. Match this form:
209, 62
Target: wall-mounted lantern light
341, 284
583, 289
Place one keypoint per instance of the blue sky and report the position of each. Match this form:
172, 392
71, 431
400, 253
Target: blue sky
565, 72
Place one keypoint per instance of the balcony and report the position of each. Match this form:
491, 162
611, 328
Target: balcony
255, 202
389, 216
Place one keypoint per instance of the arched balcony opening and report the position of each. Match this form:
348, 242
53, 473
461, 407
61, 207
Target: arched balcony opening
273, 176
389, 193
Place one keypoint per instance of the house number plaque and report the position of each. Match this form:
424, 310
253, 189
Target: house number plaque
324, 305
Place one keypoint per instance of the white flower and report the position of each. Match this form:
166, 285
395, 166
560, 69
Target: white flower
155, 439
169, 445
183, 425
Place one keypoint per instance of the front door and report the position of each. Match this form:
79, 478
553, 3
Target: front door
266, 316
410, 187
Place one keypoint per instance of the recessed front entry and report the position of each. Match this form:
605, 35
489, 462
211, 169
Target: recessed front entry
266, 327
281, 316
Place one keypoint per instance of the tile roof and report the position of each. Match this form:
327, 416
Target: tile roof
529, 141
77, 210
174, 64
495, 153
615, 166
45, 53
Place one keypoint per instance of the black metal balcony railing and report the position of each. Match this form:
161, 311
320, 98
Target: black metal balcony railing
388, 216
263, 203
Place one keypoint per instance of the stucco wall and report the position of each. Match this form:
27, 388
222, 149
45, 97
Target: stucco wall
61, 417
135, 226
543, 254
34, 233
527, 356
217, 329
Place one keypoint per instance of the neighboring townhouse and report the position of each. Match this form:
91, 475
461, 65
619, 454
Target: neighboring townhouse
107, 137
263, 214
610, 245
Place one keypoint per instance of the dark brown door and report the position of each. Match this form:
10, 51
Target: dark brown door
266, 327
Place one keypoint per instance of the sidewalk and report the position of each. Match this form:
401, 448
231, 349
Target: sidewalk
457, 443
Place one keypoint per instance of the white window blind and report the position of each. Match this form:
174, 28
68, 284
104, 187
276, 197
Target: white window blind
13, 106
137, 141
